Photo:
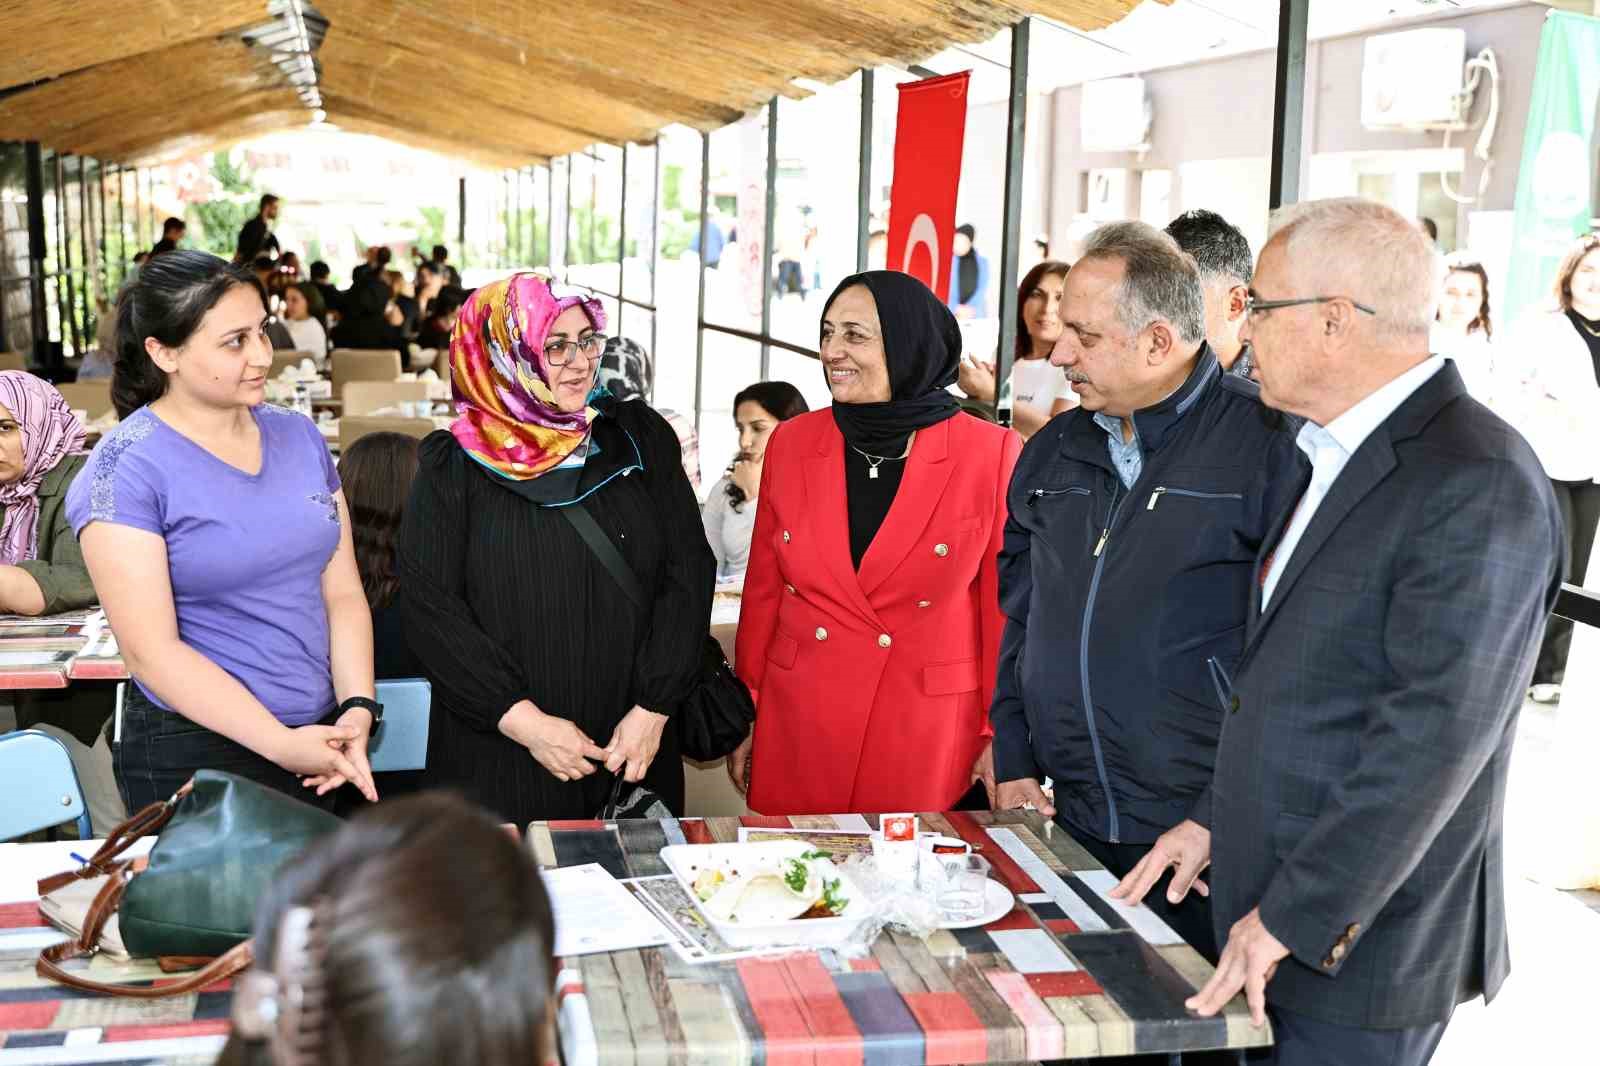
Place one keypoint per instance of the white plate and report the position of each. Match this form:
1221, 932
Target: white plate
684, 859
997, 903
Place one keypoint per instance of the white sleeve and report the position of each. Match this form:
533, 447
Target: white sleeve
712, 516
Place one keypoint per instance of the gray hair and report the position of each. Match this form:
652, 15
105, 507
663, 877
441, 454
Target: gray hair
1160, 280
1366, 252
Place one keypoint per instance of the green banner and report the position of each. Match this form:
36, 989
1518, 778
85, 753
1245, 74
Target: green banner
1558, 188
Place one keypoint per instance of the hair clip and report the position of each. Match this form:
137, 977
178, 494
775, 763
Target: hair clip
285, 1006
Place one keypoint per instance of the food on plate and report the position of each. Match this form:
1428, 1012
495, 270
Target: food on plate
771, 889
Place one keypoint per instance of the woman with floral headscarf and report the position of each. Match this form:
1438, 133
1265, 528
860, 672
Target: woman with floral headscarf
550, 679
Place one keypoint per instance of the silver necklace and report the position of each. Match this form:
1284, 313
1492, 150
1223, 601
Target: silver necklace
875, 461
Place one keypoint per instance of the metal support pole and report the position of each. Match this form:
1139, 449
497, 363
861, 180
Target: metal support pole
864, 172
152, 233
39, 318
105, 271
1289, 102
700, 271
655, 246
622, 240
769, 235
461, 219
594, 206
1011, 228
122, 224
566, 224
86, 280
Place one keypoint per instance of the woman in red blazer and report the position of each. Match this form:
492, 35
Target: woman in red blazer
871, 623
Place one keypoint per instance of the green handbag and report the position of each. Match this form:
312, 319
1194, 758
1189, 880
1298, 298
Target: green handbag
222, 839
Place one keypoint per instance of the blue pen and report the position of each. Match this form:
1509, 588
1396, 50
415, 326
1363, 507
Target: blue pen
81, 860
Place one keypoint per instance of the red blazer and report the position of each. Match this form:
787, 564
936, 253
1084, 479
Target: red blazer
873, 688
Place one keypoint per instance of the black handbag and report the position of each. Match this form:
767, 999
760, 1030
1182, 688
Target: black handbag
717, 714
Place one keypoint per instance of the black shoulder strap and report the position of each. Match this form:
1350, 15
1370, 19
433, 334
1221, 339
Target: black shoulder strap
605, 552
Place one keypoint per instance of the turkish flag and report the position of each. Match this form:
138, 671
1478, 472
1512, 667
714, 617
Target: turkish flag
928, 136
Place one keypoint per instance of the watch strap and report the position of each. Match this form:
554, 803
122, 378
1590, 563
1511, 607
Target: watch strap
370, 704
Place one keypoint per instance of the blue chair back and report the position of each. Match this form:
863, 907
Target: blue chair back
38, 786
402, 741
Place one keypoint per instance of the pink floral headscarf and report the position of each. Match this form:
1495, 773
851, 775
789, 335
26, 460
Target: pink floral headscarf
50, 431
507, 417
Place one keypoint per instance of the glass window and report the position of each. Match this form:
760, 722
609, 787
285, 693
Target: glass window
640, 229
815, 227
736, 289
731, 363
677, 271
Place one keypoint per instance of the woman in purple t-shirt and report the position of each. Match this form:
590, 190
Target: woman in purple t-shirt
218, 539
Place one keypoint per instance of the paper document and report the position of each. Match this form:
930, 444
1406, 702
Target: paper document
594, 913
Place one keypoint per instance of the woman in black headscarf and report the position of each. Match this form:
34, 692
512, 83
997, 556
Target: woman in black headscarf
871, 622
969, 277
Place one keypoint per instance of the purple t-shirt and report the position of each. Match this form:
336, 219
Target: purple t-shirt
246, 554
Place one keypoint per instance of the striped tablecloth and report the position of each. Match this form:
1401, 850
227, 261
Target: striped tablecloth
1067, 974
44, 1023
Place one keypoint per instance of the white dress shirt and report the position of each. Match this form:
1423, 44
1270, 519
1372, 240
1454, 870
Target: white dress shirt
1330, 448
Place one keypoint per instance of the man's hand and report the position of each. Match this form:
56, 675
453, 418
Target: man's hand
1248, 961
1186, 848
1023, 792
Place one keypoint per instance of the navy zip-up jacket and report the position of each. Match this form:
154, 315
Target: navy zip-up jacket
1117, 600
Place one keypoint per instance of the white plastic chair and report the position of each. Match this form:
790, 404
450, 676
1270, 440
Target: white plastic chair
38, 786
402, 740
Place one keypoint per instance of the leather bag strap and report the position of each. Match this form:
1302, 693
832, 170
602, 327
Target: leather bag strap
151, 819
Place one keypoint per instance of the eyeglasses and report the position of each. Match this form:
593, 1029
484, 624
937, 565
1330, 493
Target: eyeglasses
560, 353
1254, 305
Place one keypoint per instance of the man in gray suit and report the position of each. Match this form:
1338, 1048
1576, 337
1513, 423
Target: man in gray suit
1354, 828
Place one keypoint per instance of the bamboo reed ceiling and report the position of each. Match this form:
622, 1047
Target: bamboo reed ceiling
496, 82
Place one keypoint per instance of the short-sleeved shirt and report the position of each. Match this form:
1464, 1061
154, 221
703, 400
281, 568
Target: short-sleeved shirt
246, 553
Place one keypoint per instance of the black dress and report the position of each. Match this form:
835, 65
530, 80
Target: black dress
502, 601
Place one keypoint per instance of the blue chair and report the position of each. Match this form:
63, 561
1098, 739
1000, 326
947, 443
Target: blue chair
402, 740
38, 786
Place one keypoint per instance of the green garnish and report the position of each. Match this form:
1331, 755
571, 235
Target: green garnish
795, 875
831, 898
817, 855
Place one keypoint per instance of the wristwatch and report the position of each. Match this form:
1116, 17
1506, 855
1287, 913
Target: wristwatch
371, 705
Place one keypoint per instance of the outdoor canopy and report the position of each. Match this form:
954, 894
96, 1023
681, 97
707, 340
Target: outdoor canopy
503, 83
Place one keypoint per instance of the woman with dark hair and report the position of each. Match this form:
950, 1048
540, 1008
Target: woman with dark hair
554, 577
729, 515
870, 628
367, 956
219, 541
1038, 389
305, 317
1462, 330
377, 472
1557, 353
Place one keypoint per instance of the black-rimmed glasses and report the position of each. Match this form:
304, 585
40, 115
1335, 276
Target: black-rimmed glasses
1254, 305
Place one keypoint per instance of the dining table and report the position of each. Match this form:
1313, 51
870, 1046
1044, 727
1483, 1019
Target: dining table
1066, 974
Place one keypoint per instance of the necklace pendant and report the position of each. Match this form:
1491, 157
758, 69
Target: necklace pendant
872, 473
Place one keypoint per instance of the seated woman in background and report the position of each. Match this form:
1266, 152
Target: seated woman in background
1038, 389
305, 317
366, 956
377, 472
218, 539
730, 511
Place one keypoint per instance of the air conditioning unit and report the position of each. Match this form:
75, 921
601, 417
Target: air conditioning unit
1115, 115
1413, 80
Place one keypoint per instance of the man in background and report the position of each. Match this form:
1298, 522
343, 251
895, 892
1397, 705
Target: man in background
256, 237
1223, 255
172, 231
441, 259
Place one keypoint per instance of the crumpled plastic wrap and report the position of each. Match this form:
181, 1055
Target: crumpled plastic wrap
908, 906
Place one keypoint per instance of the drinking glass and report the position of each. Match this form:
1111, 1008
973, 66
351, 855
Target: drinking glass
960, 894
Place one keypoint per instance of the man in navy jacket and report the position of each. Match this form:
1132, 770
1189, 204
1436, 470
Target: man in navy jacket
1126, 568
1354, 825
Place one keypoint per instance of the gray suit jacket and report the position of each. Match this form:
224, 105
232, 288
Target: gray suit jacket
1361, 774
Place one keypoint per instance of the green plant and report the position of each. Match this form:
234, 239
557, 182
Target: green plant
214, 225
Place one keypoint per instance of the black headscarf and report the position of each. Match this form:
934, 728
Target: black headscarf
967, 268
922, 347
